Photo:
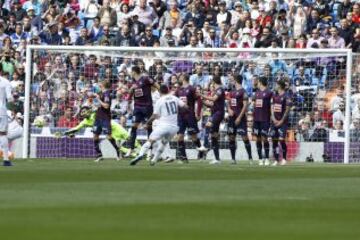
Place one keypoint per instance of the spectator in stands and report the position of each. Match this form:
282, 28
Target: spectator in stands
304, 128
335, 41
146, 14
34, 4
315, 40
343, 8
148, 38
168, 38
213, 40
51, 36
299, 19
7, 63
199, 78
124, 38
50, 15
355, 130
223, 16
339, 126
68, 120
265, 40
173, 13
19, 12
123, 13
91, 11
356, 111
356, 13
3, 35
314, 21
325, 114
96, 31
84, 38
11, 24
339, 114
195, 14
337, 99
107, 15
20, 69
18, 35
346, 32
264, 19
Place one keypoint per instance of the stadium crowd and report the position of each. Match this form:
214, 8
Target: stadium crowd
62, 82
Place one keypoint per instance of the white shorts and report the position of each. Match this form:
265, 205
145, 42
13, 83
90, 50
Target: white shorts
4, 123
164, 133
15, 131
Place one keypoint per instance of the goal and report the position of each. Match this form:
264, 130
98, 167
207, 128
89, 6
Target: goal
324, 123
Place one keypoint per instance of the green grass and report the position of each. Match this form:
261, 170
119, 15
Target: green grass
63, 199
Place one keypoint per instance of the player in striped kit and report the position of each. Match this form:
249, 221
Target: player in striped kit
237, 124
188, 118
280, 108
143, 105
217, 104
262, 114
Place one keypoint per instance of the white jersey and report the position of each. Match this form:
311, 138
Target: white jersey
167, 110
5, 95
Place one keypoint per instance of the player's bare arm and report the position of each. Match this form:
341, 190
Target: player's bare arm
281, 122
242, 113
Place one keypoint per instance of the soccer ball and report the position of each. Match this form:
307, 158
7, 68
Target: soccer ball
11, 155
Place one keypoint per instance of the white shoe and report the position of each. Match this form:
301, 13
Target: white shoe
99, 159
169, 160
261, 162
202, 149
128, 154
214, 162
118, 158
251, 162
283, 162
274, 164
267, 162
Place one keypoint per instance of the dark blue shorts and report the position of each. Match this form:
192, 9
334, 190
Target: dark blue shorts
142, 114
240, 129
279, 132
102, 126
188, 123
216, 119
261, 129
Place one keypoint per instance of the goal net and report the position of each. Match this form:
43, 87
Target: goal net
324, 120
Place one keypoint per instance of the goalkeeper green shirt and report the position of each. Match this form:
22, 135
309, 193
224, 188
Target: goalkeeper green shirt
117, 131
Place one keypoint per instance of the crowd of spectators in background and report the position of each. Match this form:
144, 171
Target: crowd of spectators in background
62, 82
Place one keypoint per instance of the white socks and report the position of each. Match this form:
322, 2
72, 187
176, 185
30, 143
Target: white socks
145, 148
4, 144
158, 152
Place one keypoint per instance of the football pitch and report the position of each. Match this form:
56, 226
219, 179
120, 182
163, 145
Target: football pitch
80, 199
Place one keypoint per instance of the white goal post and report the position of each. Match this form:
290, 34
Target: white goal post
197, 54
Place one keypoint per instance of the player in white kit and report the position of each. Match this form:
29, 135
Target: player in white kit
166, 113
5, 97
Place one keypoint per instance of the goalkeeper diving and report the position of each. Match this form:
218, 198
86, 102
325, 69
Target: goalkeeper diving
117, 131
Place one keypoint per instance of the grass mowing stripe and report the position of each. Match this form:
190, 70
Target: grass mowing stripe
57, 199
